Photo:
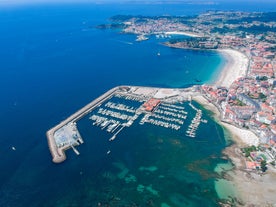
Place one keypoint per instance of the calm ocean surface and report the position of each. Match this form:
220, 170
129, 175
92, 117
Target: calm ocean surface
52, 62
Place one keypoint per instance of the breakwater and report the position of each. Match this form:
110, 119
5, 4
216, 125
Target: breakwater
65, 135
58, 153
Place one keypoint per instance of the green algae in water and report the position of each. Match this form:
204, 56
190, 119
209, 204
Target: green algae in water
130, 179
149, 169
180, 201
223, 167
124, 170
140, 188
109, 175
164, 205
151, 190
171, 168
119, 165
123, 174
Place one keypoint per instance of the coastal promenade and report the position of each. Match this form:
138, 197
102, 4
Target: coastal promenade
57, 153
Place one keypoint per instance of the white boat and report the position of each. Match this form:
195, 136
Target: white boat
112, 138
141, 38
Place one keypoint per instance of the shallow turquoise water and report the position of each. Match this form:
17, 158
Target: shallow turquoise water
151, 165
53, 62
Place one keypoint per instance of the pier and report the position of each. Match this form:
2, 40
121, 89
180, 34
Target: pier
58, 153
192, 128
156, 104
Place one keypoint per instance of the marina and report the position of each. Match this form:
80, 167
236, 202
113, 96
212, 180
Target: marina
166, 115
55, 61
195, 123
119, 108
59, 142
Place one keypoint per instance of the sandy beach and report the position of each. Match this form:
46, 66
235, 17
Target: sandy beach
235, 67
251, 188
189, 34
241, 136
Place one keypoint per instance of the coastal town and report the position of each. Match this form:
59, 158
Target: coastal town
138, 103
243, 97
247, 99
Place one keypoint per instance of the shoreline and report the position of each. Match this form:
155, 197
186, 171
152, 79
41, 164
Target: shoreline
235, 66
252, 189
242, 137
188, 34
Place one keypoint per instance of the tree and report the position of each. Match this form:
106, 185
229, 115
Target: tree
247, 153
263, 165
262, 96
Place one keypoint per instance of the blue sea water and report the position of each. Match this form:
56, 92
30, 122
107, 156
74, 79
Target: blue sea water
53, 61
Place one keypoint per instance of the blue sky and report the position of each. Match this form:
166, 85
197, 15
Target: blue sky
103, 1
21, 2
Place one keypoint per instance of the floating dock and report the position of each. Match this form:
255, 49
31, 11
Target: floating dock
157, 107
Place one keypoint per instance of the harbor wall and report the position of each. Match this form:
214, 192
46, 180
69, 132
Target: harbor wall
58, 154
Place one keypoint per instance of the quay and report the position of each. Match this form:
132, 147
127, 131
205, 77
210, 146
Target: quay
157, 106
58, 153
